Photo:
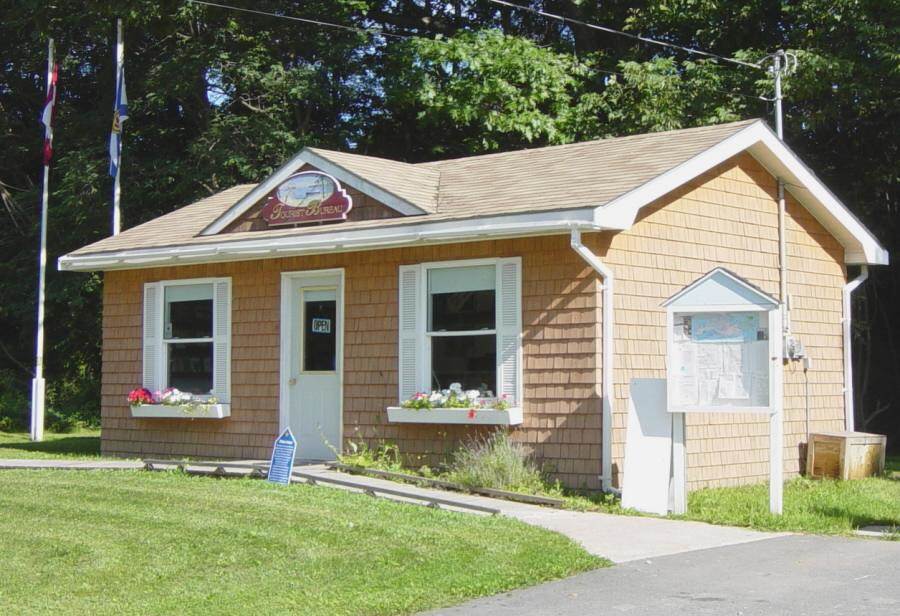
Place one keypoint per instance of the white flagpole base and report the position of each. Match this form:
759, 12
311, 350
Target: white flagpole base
38, 387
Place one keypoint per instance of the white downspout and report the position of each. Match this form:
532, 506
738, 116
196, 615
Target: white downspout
847, 322
782, 263
608, 349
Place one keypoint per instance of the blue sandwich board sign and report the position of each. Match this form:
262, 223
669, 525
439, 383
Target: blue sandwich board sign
282, 462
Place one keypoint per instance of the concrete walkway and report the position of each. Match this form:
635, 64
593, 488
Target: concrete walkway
616, 537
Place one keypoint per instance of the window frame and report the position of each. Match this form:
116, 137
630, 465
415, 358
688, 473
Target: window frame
163, 343
425, 337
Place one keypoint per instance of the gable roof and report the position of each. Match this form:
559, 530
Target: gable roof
721, 287
594, 185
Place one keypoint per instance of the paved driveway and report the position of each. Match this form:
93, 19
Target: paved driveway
794, 575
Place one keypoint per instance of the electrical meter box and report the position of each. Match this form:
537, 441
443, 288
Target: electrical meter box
723, 347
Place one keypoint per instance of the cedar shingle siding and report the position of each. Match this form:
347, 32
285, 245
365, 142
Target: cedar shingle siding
727, 217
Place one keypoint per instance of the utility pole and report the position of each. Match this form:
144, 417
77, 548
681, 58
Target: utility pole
782, 62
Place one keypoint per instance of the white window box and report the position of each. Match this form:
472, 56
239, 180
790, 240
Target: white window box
481, 417
167, 411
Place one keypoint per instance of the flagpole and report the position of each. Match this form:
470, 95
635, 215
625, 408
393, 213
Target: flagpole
117, 187
38, 388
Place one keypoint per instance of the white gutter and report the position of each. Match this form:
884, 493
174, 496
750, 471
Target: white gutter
847, 322
330, 242
608, 348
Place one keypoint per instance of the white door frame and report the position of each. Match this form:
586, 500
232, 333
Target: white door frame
284, 335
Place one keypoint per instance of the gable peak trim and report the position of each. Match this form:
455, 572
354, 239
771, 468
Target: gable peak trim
307, 156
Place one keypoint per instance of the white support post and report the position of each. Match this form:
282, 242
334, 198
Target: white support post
776, 419
679, 465
776, 461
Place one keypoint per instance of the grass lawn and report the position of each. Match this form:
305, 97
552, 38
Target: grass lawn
132, 542
81, 444
812, 506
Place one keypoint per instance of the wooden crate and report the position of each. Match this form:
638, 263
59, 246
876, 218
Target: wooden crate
845, 455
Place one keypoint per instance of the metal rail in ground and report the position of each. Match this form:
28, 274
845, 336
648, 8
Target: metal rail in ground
531, 499
432, 501
219, 468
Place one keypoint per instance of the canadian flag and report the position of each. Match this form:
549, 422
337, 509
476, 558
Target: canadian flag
47, 115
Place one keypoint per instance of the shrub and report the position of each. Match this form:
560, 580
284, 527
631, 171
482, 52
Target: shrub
14, 403
496, 461
59, 423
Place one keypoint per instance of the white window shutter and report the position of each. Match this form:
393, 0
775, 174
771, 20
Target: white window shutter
509, 329
222, 340
409, 321
152, 336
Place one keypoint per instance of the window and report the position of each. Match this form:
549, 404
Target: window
462, 309
187, 336
460, 322
319, 330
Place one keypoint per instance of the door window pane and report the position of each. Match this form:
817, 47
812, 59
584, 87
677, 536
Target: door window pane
468, 360
190, 367
461, 298
319, 333
189, 311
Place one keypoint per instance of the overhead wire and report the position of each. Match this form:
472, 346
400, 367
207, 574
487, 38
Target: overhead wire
637, 37
306, 20
376, 31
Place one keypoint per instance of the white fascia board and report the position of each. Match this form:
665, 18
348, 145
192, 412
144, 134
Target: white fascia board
621, 212
308, 157
362, 185
449, 231
860, 246
261, 189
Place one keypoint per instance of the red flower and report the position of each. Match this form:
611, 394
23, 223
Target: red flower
140, 395
472, 413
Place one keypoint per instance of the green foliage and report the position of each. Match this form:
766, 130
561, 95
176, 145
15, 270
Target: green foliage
484, 91
662, 94
813, 506
126, 542
385, 457
496, 461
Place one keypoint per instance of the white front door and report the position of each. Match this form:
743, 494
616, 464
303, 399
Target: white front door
312, 361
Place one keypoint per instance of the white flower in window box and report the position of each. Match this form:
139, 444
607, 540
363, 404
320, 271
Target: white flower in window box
456, 407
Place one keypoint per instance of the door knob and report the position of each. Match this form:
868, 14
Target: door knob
292, 381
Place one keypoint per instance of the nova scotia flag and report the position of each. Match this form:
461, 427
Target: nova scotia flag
120, 114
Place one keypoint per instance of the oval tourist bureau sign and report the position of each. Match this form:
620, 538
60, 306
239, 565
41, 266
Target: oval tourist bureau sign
310, 196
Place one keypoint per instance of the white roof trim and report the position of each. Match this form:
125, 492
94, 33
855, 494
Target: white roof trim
764, 297
860, 246
334, 240
306, 156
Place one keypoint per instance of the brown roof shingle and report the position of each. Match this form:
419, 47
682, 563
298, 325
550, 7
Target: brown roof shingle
586, 174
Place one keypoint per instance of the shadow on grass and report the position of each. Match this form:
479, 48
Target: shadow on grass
857, 520
61, 445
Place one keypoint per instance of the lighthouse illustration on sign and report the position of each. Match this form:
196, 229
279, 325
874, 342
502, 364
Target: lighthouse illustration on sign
310, 196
